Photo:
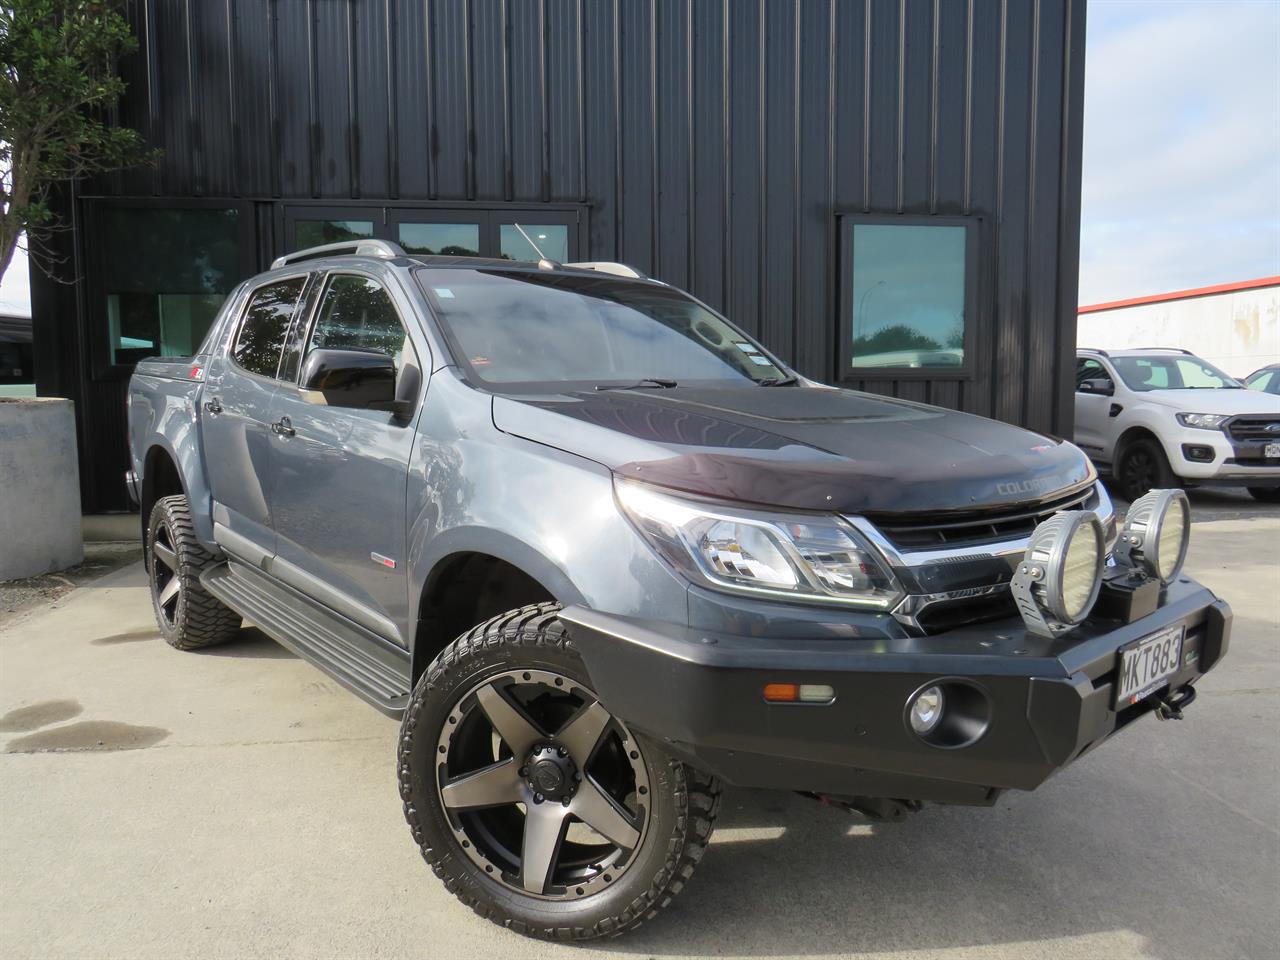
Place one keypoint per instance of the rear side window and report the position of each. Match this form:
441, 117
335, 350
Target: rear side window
265, 326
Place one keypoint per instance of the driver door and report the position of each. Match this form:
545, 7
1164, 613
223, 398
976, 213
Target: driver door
342, 473
1093, 410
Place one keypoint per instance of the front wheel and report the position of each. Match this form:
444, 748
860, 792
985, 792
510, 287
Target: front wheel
536, 806
1265, 494
1142, 467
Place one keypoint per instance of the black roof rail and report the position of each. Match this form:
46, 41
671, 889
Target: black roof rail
364, 247
1170, 349
1099, 352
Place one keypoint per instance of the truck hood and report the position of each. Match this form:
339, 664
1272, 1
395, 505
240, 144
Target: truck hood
1228, 402
805, 448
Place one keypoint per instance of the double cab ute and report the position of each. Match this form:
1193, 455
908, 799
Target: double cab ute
600, 552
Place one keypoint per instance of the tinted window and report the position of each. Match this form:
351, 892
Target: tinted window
1171, 373
441, 239
164, 274
357, 314
552, 239
908, 295
541, 327
1088, 369
261, 337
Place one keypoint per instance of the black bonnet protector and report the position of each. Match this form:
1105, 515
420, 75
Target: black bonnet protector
801, 448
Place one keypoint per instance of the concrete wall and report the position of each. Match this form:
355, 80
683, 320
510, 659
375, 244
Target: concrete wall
39, 487
1238, 331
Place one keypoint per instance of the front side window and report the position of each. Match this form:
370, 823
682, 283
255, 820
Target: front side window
533, 327
357, 314
1089, 369
1171, 373
164, 273
907, 290
261, 337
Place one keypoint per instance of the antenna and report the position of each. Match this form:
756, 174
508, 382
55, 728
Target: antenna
536, 249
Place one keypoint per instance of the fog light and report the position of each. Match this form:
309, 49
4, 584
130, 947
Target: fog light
1157, 531
926, 710
1057, 581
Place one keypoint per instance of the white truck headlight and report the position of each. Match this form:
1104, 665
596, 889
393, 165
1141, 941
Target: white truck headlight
1057, 581
1204, 421
1156, 533
797, 556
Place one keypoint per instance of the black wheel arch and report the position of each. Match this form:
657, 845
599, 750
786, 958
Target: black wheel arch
466, 588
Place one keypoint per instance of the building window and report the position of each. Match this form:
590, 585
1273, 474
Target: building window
551, 240
163, 273
317, 233
17, 366
441, 239
907, 296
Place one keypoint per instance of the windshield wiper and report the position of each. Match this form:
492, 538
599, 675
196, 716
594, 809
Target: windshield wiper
644, 383
777, 381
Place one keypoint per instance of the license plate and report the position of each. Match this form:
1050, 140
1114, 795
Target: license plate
1271, 450
1147, 663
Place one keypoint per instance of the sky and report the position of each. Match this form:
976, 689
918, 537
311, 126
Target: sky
1181, 146
1181, 174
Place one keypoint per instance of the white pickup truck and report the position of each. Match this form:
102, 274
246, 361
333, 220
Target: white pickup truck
1162, 417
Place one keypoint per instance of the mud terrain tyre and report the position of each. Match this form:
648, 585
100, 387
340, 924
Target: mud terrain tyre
189, 618
503, 745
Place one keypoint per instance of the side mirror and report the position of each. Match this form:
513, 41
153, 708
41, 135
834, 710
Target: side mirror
362, 379
1103, 386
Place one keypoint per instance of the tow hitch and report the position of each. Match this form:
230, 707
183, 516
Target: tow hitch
1169, 706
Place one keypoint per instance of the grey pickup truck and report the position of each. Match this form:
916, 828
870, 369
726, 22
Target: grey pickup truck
600, 552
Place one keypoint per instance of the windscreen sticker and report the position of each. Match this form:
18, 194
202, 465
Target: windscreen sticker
760, 360
745, 347
444, 293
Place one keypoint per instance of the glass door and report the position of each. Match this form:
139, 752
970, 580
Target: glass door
499, 231
443, 233
315, 226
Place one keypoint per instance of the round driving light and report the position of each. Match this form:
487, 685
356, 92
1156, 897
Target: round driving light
926, 710
1057, 581
1157, 531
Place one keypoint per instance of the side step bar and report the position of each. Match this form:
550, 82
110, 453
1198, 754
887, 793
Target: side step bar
365, 664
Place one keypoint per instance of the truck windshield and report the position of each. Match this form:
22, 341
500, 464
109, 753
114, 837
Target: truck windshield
1172, 373
524, 327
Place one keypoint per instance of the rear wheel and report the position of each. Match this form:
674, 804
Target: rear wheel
536, 806
1265, 494
189, 617
1142, 467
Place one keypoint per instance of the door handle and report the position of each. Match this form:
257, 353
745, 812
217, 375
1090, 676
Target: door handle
283, 427
213, 405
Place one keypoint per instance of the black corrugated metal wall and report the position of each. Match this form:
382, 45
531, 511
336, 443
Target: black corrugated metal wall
714, 143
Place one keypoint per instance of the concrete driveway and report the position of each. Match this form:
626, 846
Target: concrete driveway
237, 803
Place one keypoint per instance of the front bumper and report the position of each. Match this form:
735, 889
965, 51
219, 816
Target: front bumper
1233, 462
1051, 700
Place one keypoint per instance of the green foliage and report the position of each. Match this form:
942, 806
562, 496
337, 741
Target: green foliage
894, 338
58, 87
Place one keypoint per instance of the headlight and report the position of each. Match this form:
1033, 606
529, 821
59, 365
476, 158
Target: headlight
1059, 576
1156, 533
1205, 421
819, 558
